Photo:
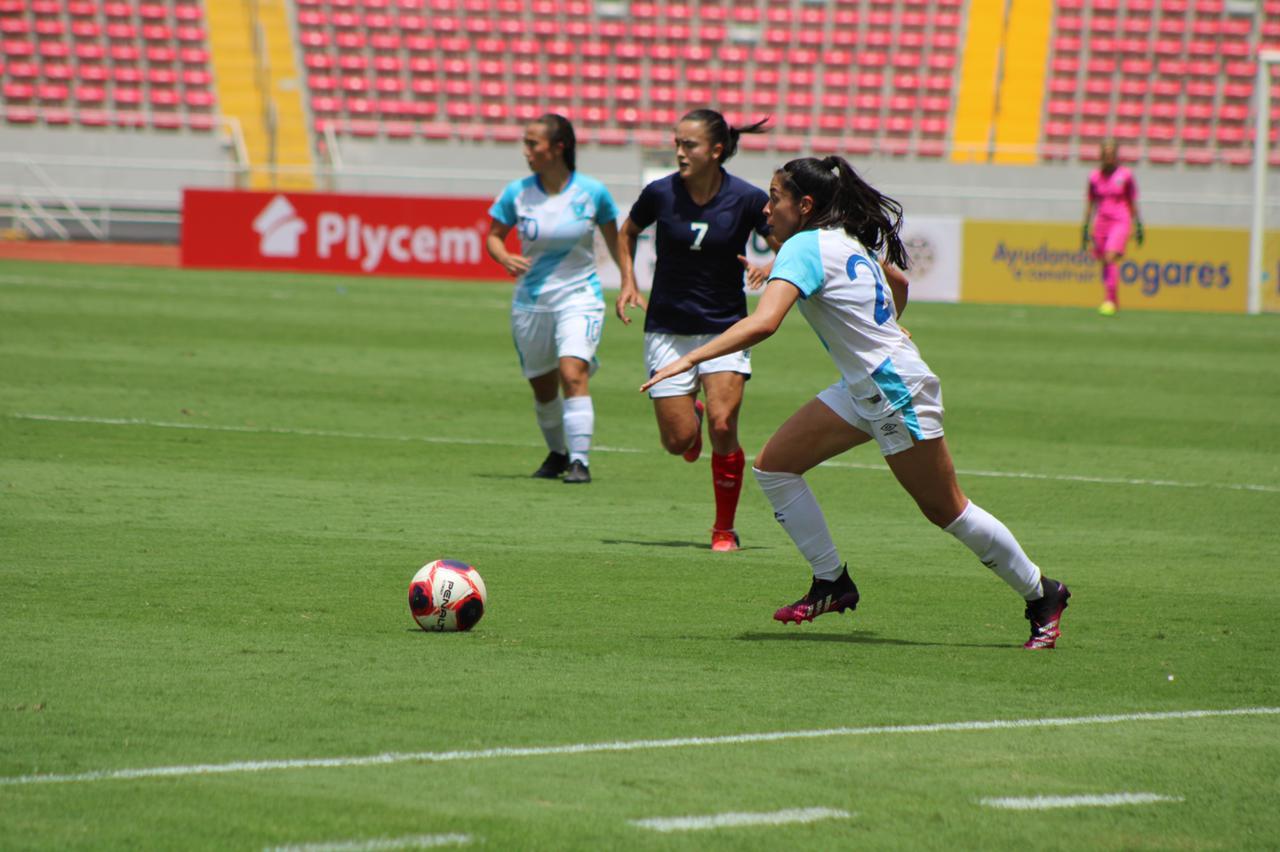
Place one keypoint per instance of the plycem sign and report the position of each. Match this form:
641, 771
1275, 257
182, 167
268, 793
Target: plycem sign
340, 234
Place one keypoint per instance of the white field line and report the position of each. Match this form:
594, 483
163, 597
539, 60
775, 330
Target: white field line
736, 820
389, 758
273, 430
419, 439
1103, 800
421, 841
1096, 480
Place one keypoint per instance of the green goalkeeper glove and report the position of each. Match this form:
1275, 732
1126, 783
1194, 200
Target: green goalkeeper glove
1084, 237
1139, 234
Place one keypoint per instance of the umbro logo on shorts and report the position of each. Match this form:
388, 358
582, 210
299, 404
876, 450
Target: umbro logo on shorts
889, 428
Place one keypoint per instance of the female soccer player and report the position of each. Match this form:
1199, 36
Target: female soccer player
558, 308
1112, 205
833, 226
704, 218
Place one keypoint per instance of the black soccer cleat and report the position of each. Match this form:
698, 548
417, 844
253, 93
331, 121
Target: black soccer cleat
824, 596
577, 474
1045, 615
552, 466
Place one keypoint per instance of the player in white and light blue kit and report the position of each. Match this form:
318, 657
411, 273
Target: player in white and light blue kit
834, 225
557, 311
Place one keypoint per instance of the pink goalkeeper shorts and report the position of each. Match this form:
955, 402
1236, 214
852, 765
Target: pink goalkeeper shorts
1109, 236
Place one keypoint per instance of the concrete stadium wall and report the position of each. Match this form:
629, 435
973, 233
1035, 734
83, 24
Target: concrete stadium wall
1169, 196
149, 170
114, 163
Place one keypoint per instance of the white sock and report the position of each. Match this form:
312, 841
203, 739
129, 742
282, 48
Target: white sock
579, 423
795, 507
551, 421
991, 540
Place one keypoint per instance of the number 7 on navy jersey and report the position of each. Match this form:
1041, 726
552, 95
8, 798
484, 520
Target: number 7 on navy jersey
882, 309
700, 228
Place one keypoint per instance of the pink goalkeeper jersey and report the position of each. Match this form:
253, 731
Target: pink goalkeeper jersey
1113, 193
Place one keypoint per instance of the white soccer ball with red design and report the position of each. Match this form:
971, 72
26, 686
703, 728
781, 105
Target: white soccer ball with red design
447, 595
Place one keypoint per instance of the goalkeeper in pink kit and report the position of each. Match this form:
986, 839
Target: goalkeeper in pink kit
1113, 208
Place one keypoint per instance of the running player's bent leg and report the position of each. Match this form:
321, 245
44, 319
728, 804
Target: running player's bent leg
677, 422
928, 475
812, 435
795, 507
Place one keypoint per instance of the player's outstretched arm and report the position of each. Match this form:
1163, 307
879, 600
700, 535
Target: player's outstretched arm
630, 295
777, 300
495, 243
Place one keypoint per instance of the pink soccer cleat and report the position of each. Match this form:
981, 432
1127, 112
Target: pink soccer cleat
824, 596
1045, 615
725, 541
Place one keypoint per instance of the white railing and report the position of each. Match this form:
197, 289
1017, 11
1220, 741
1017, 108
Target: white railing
1267, 60
38, 202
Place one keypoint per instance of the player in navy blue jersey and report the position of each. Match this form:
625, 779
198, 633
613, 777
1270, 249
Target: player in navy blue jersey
704, 218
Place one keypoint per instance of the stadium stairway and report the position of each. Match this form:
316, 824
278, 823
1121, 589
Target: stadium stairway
1021, 95
1002, 81
250, 81
976, 100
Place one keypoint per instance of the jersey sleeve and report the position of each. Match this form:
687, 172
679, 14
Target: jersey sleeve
606, 210
1130, 188
645, 211
504, 207
1093, 189
800, 262
759, 221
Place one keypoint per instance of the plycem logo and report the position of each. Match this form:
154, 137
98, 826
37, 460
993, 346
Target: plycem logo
372, 244
279, 229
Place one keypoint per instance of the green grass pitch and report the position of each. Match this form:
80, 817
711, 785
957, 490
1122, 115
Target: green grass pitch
214, 489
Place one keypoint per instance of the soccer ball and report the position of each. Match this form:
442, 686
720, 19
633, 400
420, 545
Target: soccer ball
447, 595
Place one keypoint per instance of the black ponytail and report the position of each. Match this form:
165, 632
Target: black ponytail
560, 131
720, 132
842, 199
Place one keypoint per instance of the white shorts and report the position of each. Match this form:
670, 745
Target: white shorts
661, 349
918, 420
542, 338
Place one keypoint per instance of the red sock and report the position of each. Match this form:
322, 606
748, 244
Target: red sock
726, 476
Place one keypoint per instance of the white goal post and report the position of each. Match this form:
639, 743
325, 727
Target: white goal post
1267, 59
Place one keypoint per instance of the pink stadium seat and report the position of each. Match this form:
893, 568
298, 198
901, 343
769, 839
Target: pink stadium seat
13, 91
1237, 90
1201, 88
1135, 110
20, 114
1095, 108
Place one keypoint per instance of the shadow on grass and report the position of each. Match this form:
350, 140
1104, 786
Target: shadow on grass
695, 545
860, 638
